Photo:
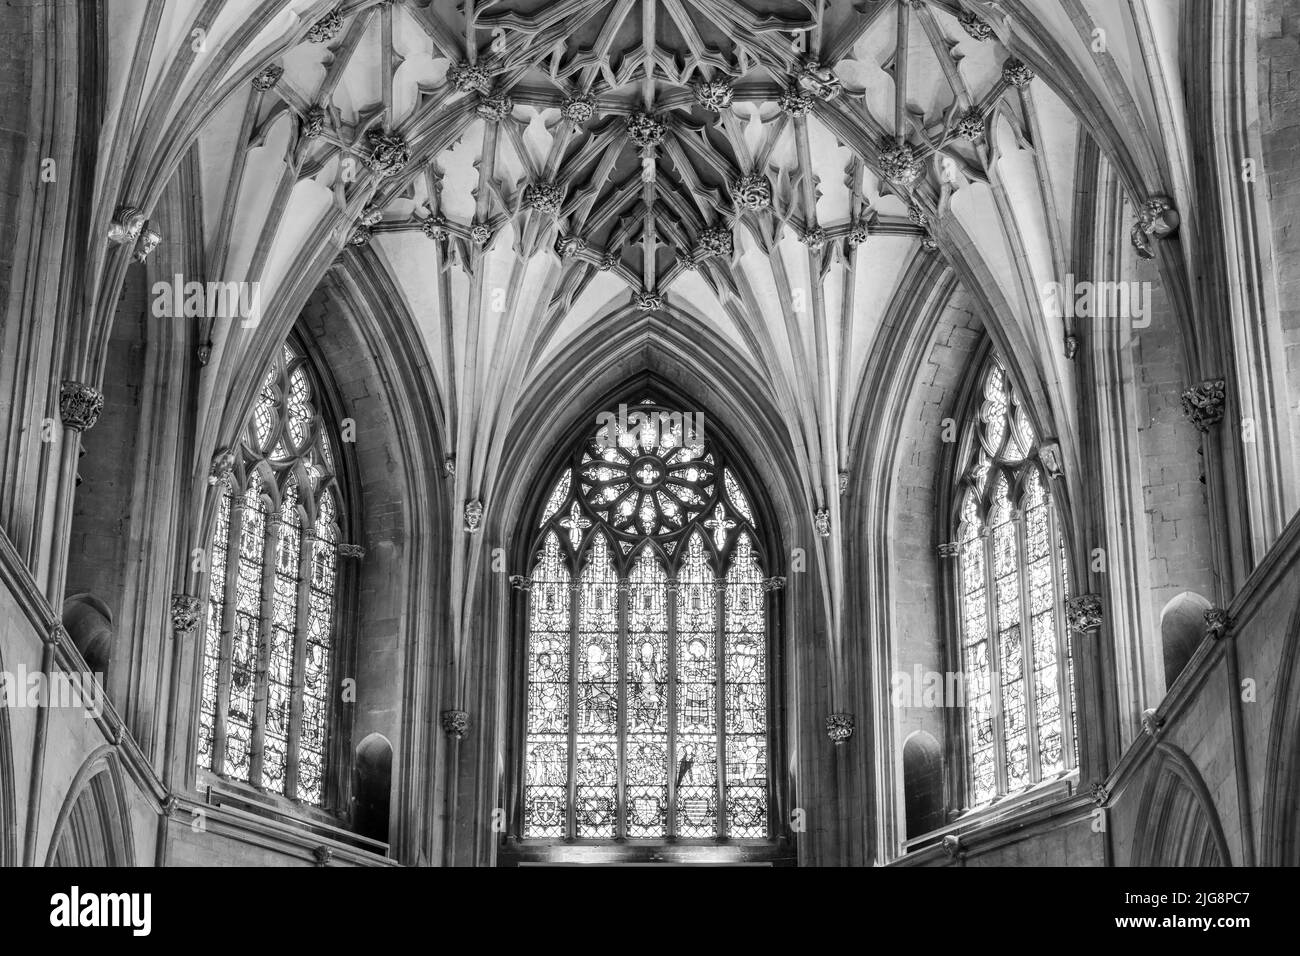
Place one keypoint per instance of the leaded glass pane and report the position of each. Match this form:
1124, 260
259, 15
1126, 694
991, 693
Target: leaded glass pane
546, 742
647, 699
212, 627
745, 657
246, 638
597, 703
316, 655
738, 499
284, 622
697, 682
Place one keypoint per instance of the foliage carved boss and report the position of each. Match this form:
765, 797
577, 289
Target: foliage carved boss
388, 153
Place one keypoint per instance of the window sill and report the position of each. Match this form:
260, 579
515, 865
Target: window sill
1044, 794
218, 791
516, 852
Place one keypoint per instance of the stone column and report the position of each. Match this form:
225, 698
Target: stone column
79, 408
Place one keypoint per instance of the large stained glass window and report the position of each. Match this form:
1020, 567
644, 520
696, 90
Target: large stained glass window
647, 654
1012, 584
270, 620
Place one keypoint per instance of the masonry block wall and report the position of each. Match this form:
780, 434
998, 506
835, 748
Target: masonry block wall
918, 636
1174, 495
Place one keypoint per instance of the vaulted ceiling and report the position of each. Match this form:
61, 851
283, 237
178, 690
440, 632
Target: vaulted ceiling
771, 167
792, 175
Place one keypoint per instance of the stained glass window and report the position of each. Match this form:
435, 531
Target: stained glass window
270, 621
647, 663
1012, 581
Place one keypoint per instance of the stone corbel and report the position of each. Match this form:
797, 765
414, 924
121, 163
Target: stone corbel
1083, 613
1152, 722
1157, 219
146, 243
185, 614
952, 846
1218, 623
1203, 403
79, 405
839, 727
455, 723
126, 225
473, 515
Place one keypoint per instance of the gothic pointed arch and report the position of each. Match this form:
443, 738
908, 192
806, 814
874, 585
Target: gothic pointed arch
1177, 823
1007, 567
1280, 807
646, 706
94, 825
272, 634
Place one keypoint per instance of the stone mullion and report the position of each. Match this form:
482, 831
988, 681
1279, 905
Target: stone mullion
719, 694
298, 681
994, 650
624, 598
225, 650
1027, 648
257, 739
1063, 655
673, 596
575, 591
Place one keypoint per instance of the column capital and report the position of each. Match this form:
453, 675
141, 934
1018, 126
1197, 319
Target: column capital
351, 551
1203, 403
79, 405
455, 723
1083, 613
185, 613
952, 846
839, 727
